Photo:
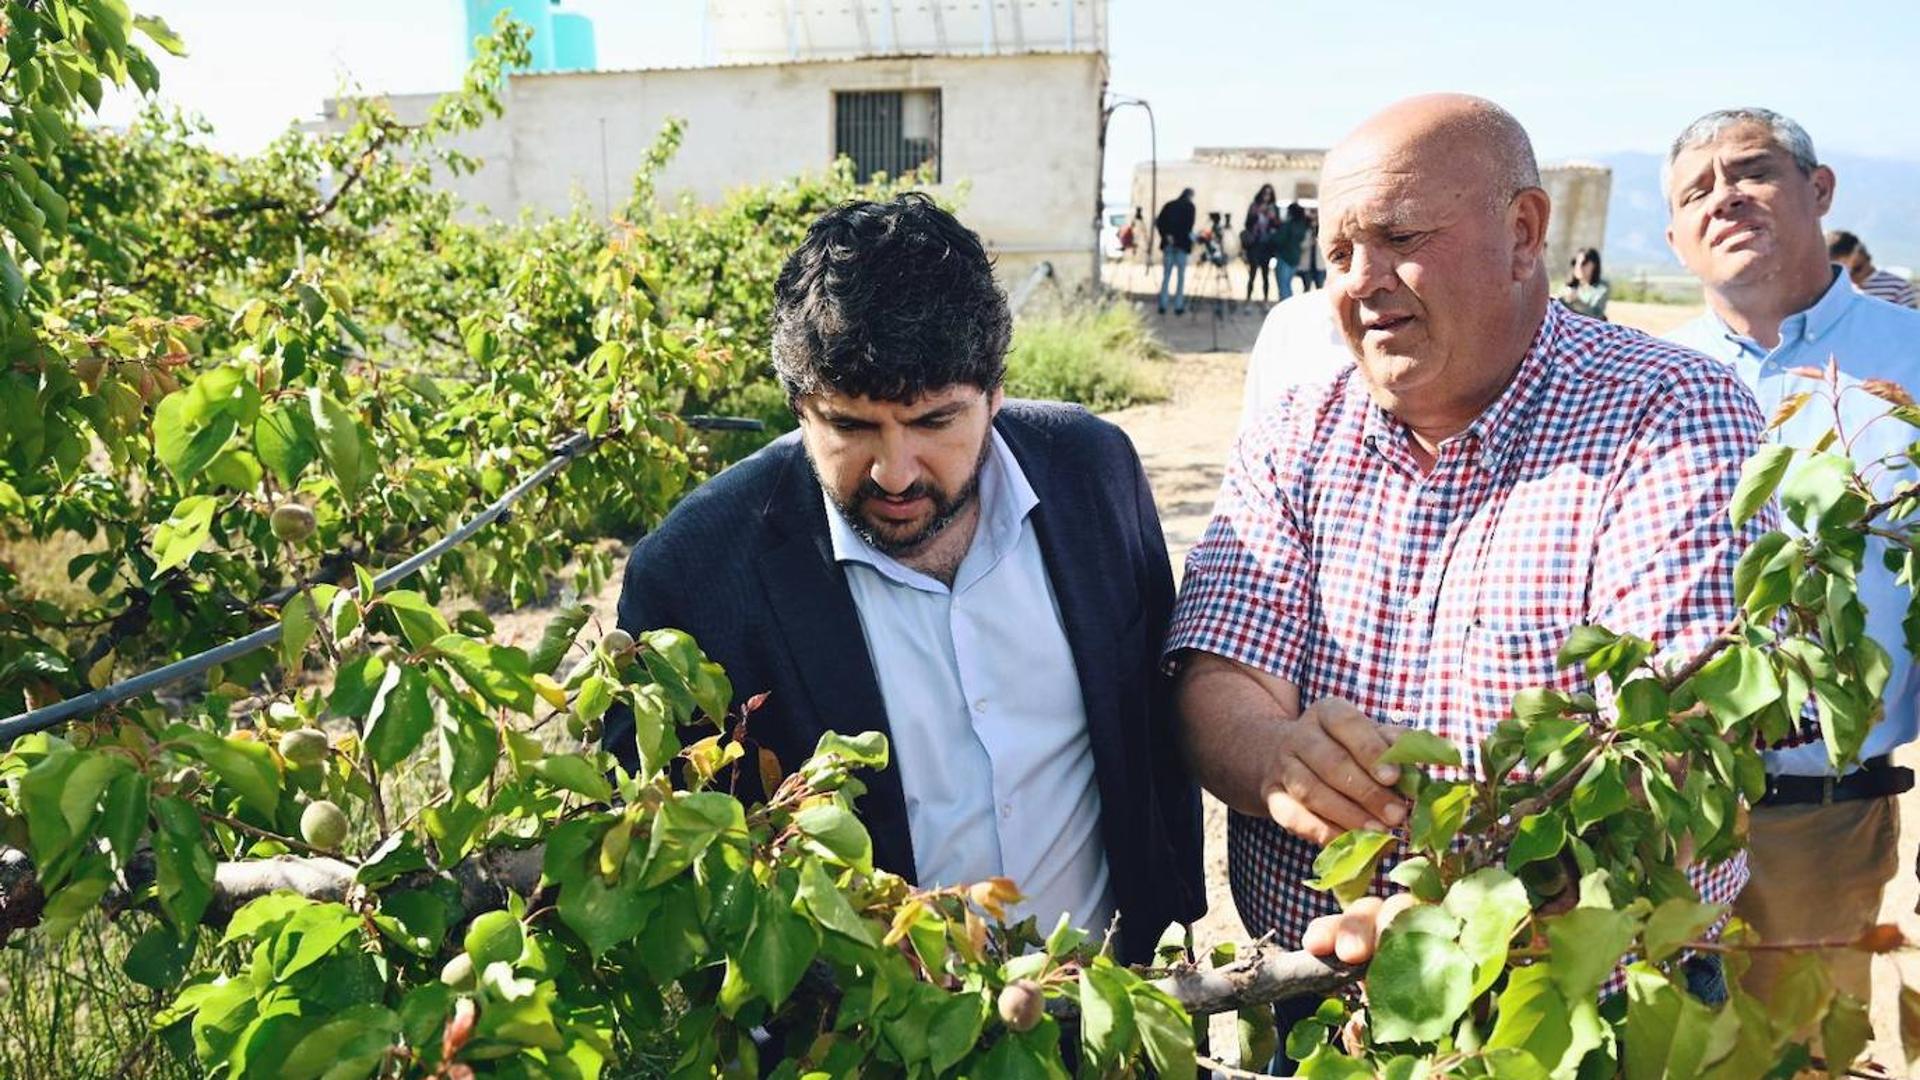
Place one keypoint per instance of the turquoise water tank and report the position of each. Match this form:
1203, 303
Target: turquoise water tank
537, 14
573, 42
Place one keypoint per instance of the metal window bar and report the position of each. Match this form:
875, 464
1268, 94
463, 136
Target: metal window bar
871, 128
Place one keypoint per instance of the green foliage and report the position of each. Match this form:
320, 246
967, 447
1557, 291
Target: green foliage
1095, 354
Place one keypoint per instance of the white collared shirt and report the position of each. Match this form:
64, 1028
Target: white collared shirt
983, 700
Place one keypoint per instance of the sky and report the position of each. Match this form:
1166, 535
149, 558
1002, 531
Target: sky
1584, 78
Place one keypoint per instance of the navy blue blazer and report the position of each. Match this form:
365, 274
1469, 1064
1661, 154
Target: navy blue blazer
745, 565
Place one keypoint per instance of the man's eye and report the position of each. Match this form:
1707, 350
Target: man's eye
846, 425
1402, 238
934, 423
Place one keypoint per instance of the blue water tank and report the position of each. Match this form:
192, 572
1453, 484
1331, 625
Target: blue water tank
573, 42
537, 14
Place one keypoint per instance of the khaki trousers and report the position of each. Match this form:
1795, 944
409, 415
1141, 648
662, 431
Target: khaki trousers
1818, 873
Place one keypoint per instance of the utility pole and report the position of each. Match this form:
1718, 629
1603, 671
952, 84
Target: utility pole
1121, 101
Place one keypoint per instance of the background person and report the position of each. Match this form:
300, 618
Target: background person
1175, 225
1256, 239
1846, 249
1745, 194
1586, 291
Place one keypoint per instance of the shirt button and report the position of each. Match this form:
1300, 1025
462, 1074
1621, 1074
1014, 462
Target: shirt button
1006, 811
980, 705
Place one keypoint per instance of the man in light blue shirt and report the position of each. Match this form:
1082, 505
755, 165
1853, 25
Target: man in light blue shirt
1746, 195
982, 579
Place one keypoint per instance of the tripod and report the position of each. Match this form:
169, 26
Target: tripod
1218, 279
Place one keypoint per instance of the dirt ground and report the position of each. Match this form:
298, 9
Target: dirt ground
1183, 442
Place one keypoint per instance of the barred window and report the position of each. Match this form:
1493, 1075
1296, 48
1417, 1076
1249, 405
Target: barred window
889, 131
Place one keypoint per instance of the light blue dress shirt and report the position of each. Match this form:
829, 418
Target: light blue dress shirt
1870, 339
983, 700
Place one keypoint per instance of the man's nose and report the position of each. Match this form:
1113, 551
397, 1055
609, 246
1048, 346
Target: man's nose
1726, 198
895, 467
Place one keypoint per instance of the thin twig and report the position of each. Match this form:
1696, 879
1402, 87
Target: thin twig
265, 834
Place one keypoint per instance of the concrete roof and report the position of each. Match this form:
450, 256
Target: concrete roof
811, 61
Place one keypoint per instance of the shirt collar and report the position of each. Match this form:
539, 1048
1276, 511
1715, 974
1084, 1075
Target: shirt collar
1006, 498
1500, 425
1810, 325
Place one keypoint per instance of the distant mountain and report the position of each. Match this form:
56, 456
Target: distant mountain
1876, 198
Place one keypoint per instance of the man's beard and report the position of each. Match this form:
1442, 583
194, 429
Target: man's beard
946, 508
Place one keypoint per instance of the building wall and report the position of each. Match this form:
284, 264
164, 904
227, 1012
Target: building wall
1019, 139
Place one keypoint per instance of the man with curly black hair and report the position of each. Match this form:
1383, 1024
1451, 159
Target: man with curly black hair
984, 580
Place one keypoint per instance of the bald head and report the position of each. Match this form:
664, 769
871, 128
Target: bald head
1443, 133
1434, 224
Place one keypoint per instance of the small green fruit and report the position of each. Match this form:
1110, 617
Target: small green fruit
304, 746
1022, 1004
616, 642
323, 825
494, 936
292, 522
458, 973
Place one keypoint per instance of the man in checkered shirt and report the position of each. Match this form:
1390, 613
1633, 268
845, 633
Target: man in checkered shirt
1408, 543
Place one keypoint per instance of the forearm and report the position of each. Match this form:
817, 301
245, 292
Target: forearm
1227, 722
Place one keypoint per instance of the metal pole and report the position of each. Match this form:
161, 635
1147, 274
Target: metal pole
40, 719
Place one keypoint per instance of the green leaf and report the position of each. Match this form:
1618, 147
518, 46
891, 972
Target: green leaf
558, 637
183, 866
831, 908
1757, 584
123, 818
868, 748
1736, 684
574, 773
1584, 642
1165, 1031
955, 1029
1491, 905
184, 533
298, 620
1533, 1017
1600, 793
684, 827
1417, 986
420, 622
1546, 736
345, 448
284, 439
833, 831
1758, 478
1817, 493
1675, 923
594, 698
1107, 1030
263, 916
310, 936
400, 716
158, 959
605, 913
1438, 814
351, 1044
1844, 1033
1540, 836
356, 684
1417, 747
1345, 867
1587, 943
1419, 877
192, 424
501, 673
244, 765
778, 948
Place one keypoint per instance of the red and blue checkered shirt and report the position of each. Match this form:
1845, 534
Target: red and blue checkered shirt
1593, 490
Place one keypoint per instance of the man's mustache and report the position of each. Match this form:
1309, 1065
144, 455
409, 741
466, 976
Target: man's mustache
870, 490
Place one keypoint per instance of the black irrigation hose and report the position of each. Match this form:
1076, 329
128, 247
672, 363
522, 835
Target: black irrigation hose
40, 719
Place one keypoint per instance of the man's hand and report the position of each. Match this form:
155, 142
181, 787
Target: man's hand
1352, 935
1322, 780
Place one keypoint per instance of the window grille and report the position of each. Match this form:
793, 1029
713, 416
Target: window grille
889, 131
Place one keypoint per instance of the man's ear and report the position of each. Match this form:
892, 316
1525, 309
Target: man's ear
994, 401
1823, 185
1530, 212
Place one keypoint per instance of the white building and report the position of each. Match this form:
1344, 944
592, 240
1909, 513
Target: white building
1001, 101
1224, 179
